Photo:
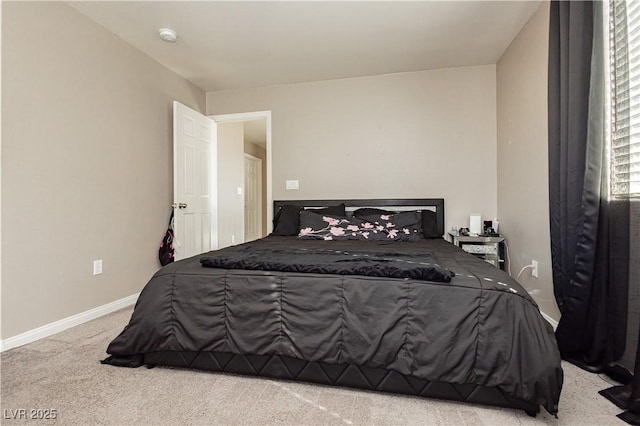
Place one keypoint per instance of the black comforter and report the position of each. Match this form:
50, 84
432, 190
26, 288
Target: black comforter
480, 328
423, 266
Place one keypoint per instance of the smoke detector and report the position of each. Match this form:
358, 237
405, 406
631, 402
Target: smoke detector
168, 35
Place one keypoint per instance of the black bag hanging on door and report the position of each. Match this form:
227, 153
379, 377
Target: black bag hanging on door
166, 252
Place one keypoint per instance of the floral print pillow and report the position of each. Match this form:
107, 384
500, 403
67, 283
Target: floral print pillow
408, 225
404, 226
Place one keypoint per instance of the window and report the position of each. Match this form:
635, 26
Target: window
624, 57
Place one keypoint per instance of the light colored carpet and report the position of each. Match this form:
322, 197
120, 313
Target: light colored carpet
63, 373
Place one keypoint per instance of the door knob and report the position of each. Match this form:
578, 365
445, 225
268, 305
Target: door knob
182, 205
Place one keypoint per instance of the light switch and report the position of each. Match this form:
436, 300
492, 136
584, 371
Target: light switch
292, 184
239, 190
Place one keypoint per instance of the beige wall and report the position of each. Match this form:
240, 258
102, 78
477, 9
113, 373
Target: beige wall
523, 185
86, 163
261, 153
86, 155
0, 175
420, 134
230, 178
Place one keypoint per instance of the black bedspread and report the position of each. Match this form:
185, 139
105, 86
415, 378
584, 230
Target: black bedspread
422, 266
480, 328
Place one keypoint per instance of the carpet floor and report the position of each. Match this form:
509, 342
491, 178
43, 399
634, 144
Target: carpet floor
63, 373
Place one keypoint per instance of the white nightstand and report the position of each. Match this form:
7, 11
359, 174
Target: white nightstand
490, 249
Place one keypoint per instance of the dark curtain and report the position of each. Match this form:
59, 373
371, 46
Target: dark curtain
589, 232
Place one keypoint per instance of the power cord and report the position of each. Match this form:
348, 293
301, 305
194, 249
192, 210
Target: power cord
506, 246
506, 250
522, 270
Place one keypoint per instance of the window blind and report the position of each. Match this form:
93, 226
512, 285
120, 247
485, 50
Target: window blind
624, 49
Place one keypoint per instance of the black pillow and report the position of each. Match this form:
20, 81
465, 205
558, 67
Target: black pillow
369, 211
287, 220
338, 210
430, 224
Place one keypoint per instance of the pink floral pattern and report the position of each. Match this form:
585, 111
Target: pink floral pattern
336, 231
305, 231
380, 227
331, 220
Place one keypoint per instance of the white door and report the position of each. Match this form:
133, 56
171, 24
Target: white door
252, 198
194, 187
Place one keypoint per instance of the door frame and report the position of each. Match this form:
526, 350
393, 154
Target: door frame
256, 115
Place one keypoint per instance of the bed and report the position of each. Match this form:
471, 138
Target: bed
376, 299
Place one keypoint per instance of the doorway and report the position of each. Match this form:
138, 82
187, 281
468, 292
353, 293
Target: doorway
254, 129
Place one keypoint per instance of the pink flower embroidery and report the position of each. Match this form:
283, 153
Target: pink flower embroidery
337, 231
367, 225
305, 231
328, 237
380, 228
352, 228
390, 225
330, 220
366, 235
405, 230
392, 234
384, 217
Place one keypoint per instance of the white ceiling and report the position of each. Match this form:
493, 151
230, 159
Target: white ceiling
233, 44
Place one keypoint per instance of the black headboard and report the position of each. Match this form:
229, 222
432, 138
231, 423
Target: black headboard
436, 204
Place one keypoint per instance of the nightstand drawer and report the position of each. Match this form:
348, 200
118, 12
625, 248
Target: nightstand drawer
480, 248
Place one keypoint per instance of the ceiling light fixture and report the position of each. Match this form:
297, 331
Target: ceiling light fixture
168, 35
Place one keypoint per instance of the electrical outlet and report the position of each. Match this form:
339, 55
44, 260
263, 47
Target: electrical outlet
534, 270
97, 267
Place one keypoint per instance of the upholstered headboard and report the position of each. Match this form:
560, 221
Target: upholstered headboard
434, 204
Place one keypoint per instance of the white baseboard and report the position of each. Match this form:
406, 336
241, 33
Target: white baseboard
550, 320
63, 324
